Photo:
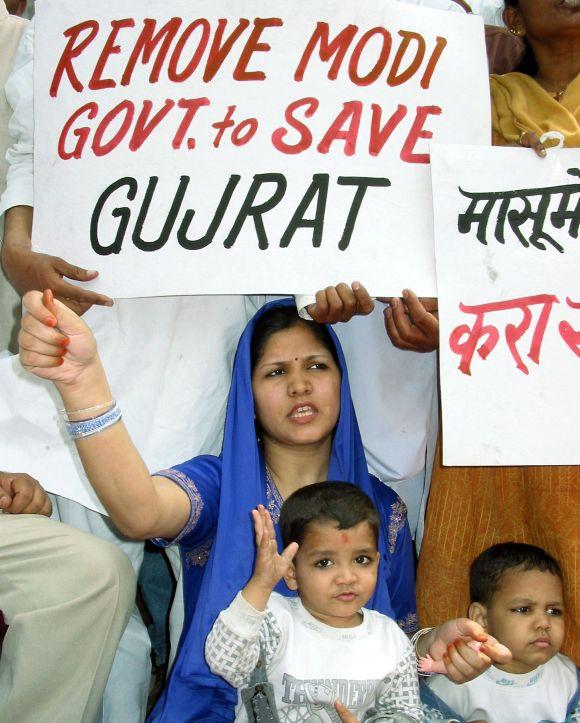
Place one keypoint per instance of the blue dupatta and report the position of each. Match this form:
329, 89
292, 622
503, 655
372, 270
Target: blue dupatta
193, 693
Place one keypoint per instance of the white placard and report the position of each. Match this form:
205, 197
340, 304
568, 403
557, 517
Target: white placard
508, 271
266, 147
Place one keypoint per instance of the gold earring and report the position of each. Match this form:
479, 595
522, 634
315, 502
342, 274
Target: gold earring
515, 31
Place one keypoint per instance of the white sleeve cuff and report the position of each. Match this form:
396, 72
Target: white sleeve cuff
243, 618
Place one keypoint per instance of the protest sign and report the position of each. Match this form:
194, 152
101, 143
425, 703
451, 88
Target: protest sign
194, 147
508, 272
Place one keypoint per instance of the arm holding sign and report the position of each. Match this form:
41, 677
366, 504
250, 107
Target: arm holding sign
412, 323
26, 269
337, 303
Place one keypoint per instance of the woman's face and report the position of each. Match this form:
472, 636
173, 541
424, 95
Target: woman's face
296, 385
542, 19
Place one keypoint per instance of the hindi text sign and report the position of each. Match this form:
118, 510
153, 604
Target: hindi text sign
508, 273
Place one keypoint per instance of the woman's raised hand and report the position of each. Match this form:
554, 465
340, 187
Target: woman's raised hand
55, 343
461, 649
270, 567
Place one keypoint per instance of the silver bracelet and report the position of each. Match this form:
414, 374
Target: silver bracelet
88, 427
414, 641
86, 410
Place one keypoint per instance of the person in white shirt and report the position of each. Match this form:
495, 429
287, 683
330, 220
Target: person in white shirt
517, 596
327, 657
11, 29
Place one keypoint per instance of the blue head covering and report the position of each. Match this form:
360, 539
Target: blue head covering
193, 692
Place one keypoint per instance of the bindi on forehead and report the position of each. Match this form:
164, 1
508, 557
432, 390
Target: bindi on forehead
343, 537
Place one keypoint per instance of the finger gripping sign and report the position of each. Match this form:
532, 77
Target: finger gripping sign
508, 271
261, 147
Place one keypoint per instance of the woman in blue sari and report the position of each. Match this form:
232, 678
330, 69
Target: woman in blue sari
216, 542
290, 422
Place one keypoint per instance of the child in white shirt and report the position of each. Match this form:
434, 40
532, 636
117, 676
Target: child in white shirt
326, 656
517, 596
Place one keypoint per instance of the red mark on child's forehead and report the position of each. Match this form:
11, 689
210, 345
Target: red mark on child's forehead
343, 537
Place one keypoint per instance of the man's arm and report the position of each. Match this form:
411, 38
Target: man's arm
28, 270
21, 494
24, 268
412, 323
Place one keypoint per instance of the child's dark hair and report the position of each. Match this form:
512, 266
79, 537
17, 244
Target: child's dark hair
488, 568
340, 502
281, 318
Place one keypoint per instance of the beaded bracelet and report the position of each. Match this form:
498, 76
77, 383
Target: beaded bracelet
88, 427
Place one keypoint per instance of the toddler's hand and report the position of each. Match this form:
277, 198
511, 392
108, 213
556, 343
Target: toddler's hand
344, 714
270, 566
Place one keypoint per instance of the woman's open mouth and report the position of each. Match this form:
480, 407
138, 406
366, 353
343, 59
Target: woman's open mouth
303, 413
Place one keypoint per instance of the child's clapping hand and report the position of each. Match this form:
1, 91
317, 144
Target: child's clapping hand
270, 567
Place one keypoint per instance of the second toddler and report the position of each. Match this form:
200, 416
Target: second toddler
516, 593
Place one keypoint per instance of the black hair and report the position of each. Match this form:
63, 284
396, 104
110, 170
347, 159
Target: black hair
281, 318
488, 568
340, 502
527, 64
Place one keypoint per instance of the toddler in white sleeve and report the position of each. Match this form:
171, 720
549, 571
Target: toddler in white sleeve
326, 656
517, 596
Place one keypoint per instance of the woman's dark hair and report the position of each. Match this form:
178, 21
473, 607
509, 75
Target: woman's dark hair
337, 502
281, 318
527, 64
487, 570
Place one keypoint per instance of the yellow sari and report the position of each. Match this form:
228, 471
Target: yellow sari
520, 104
